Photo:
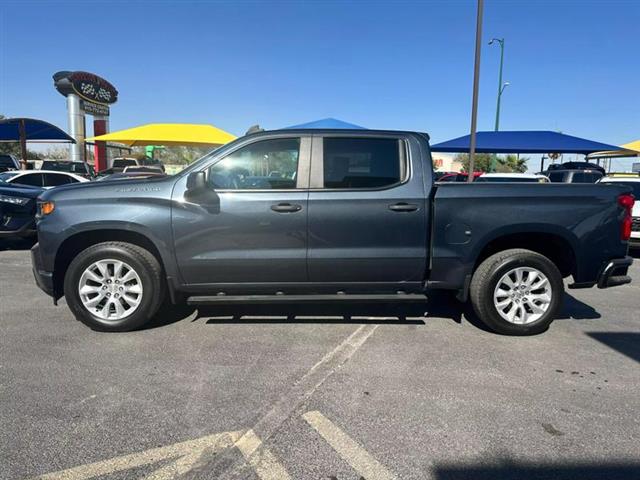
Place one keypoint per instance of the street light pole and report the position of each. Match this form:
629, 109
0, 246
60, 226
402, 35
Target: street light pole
501, 87
476, 84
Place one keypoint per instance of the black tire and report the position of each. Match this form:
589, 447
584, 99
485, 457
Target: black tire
491, 270
142, 261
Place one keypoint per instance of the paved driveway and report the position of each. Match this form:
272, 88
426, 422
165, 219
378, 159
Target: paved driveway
276, 393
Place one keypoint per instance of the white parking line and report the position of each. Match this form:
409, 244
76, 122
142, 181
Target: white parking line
352, 453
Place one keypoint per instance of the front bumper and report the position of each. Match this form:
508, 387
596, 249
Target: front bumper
44, 279
615, 273
13, 228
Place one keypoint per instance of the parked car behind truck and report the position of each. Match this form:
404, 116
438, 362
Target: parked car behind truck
8, 163
633, 182
360, 219
17, 210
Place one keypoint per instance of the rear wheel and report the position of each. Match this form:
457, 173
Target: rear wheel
114, 286
517, 292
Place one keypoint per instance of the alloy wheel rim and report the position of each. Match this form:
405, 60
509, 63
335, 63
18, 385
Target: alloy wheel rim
110, 289
522, 295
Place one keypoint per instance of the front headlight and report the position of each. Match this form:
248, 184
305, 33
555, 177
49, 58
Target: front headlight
14, 200
45, 208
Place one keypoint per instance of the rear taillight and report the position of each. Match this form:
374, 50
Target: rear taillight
626, 201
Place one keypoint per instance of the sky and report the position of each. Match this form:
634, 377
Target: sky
572, 65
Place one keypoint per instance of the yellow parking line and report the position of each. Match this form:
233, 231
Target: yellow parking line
352, 453
186, 455
262, 460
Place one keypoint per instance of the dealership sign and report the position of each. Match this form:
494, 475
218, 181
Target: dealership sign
87, 86
95, 109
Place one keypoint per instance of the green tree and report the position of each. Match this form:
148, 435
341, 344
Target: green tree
504, 164
482, 161
512, 164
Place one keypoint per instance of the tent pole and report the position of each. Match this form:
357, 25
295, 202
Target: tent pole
23, 145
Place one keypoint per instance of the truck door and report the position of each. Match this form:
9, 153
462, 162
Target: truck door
367, 216
249, 226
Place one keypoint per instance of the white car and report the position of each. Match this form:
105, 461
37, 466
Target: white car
513, 177
41, 178
633, 182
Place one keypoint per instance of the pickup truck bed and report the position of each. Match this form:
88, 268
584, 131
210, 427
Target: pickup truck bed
297, 215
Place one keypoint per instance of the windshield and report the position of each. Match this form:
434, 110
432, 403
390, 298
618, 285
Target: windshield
73, 167
7, 162
124, 162
7, 175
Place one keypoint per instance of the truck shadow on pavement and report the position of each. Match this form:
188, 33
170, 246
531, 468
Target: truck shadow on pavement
440, 305
17, 243
511, 470
627, 343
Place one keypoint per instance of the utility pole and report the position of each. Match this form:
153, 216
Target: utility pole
476, 85
501, 87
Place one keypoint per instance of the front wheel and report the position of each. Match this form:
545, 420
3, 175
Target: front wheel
517, 292
114, 286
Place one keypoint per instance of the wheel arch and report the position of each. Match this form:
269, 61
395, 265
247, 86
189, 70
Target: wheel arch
78, 242
551, 243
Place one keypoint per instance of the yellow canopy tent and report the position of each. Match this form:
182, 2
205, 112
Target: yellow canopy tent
631, 149
168, 134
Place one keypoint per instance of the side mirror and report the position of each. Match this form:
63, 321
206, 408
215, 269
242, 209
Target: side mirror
196, 181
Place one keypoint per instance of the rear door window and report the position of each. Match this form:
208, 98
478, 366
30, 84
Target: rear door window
362, 163
32, 179
56, 179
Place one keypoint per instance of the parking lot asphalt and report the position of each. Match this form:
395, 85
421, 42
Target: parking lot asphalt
364, 391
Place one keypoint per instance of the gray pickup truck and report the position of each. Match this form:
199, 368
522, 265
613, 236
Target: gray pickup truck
326, 215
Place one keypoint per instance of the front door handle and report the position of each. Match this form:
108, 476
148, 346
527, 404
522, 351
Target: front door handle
286, 208
403, 207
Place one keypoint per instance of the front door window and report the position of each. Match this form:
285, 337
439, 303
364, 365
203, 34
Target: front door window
265, 165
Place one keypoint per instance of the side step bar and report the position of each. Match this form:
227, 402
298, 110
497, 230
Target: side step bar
270, 299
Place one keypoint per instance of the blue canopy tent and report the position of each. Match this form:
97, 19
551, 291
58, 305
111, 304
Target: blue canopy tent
29, 129
328, 123
524, 142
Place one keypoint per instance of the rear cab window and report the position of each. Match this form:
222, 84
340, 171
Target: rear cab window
556, 176
363, 163
57, 179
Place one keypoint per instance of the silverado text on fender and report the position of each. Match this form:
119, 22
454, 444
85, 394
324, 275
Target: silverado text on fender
326, 215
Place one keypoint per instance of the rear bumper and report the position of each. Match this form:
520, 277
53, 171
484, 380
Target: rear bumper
44, 279
615, 273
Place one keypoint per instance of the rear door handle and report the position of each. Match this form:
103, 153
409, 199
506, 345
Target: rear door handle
403, 207
286, 208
